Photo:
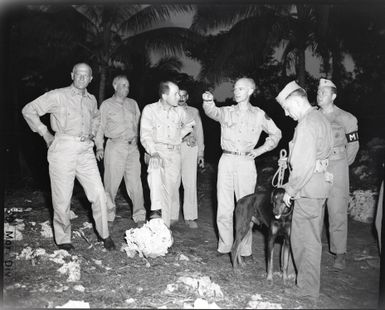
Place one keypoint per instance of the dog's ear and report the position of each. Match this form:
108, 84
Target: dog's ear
272, 196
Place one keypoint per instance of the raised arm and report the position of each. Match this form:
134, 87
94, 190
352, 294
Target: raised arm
210, 108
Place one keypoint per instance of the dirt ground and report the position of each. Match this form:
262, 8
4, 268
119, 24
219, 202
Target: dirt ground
113, 280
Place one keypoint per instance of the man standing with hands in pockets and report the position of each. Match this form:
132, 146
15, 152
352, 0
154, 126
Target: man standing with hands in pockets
241, 127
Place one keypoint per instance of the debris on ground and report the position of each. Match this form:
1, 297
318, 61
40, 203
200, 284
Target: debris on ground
202, 285
362, 205
257, 302
183, 257
151, 240
79, 288
200, 303
46, 229
75, 304
72, 269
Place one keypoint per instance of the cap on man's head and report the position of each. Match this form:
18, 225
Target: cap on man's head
286, 91
326, 83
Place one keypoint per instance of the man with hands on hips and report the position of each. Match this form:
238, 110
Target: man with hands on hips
74, 119
241, 127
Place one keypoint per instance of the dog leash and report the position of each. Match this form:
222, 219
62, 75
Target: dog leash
280, 173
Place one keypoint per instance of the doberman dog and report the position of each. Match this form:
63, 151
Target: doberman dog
269, 210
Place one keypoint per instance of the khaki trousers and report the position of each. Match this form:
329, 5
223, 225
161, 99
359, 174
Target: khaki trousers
121, 160
164, 182
306, 231
68, 158
189, 162
337, 205
236, 175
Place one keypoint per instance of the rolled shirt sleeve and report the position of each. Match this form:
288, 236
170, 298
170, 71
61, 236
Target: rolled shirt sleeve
352, 147
47, 103
199, 134
99, 139
302, 158
95, 120
274, 134
147, 130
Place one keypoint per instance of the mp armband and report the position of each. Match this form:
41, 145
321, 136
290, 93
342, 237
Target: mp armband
352, 136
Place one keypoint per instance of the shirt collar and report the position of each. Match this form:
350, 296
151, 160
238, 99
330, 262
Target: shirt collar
77, 92
164, 107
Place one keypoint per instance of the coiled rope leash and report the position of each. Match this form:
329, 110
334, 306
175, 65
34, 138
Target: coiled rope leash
282, 166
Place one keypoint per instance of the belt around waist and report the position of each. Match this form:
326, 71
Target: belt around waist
321, 165
171, 147
131, 141
338, 150
83, 138
236, 153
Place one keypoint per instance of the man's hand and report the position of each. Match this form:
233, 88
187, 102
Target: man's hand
190, 140
201, 162
99, 154
287, 199
207, 96
48, 138
254, 153
155, 161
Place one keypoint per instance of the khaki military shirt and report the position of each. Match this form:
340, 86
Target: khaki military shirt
240, 132
312, 141
72, 113
118, 120
345, 131
164, 125
198, 128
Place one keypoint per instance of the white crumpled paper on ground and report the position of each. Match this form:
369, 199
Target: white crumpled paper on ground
151, 240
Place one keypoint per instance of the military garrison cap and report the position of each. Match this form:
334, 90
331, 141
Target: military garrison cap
326, 83
286, 91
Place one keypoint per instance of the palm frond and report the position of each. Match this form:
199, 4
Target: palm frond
169, 63
151, 16
211, 17
167, 40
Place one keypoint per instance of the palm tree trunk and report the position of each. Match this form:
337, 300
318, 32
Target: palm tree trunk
301, 67
336, 64
102, 83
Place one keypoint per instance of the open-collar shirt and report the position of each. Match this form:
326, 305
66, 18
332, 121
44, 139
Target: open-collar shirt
71, 112
163, 124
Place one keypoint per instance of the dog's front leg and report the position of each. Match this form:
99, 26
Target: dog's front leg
285, 259
270, 255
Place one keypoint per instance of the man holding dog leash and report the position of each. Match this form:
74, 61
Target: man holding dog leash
309, 185
241, 126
